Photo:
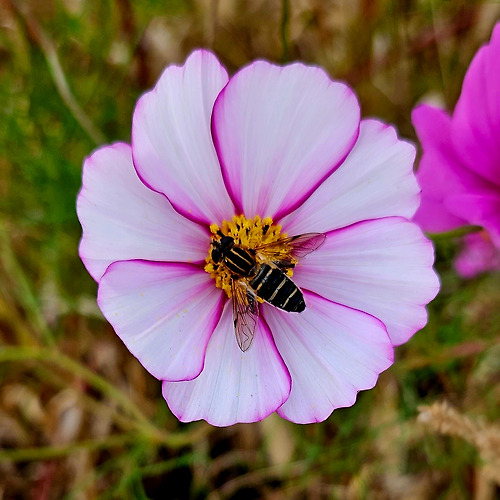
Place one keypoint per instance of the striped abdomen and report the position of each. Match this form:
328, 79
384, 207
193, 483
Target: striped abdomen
239, 261
278, 289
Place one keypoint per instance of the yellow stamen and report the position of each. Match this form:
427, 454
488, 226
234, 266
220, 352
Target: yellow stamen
248, 234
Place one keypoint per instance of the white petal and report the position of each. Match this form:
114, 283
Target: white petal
279, 132
382, 267
234, 386
171, 140
376, 180
332, 352
164, 313
122, 219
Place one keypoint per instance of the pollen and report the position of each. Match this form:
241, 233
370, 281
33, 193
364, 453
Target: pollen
249, 234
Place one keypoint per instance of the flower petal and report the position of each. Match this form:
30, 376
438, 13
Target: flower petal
440, 171
376, 180
234, 386
279, 132
433, 217
382, 267
122, 219
171, 141
478, 255
164, 313
476, 120
332, 352
480, 209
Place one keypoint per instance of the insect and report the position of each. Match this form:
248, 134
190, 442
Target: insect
260, 273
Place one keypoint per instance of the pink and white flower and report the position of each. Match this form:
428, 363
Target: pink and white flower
285, 143
459, 172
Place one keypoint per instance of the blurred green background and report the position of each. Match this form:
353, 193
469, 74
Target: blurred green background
79, 417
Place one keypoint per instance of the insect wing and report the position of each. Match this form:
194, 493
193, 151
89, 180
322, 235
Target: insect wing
299, 246
304, 244
245, 314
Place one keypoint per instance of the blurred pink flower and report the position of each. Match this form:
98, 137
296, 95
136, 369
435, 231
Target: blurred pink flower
459, 172
478, 255
280, 142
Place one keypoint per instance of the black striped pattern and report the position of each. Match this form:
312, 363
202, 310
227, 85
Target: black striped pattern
278, 289
239, 261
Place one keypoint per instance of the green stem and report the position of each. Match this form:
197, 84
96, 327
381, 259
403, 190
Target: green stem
50, 452
455, 233
161, 468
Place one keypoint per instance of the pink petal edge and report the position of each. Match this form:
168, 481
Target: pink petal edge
172, 145
376, 180
478, 209
233, 386
122, 219
279, 133
165, 313
382, 267
332, 352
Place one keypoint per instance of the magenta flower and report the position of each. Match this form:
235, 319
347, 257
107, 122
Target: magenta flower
273, 150
460, 169
477, 255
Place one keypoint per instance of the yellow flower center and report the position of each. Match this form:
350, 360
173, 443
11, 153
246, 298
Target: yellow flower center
249, 234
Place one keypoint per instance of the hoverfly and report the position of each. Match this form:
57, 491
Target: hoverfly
260, 273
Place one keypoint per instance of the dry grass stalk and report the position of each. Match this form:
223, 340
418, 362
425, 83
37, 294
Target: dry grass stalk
444, 419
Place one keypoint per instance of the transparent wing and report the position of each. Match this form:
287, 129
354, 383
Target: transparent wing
283, 252
245, 314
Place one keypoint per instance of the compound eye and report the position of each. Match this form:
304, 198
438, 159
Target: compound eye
216, 255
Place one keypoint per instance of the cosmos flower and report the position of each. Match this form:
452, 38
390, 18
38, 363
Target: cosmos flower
271, 151
477, 255
459, 172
